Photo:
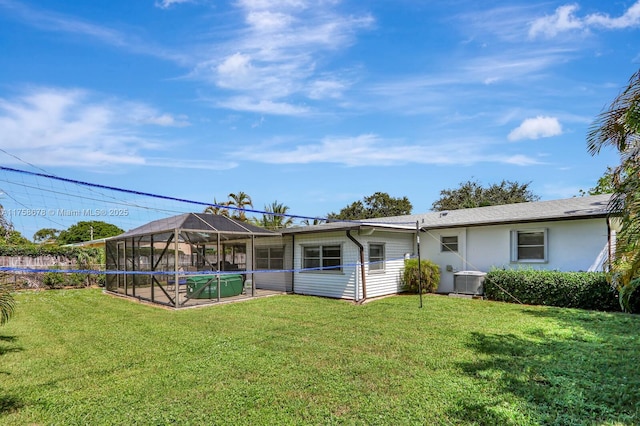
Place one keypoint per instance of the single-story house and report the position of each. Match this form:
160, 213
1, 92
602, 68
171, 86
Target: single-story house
356, 260
365, 259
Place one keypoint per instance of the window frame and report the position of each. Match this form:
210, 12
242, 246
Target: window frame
270, 258
321, 269
377, 264
515, 246
445, 247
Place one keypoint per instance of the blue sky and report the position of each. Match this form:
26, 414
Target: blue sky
315, 104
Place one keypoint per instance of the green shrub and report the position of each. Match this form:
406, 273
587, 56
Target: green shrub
585, 290
33, 250
630, 296
430, 275
54, 280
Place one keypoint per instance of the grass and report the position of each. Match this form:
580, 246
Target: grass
82, 357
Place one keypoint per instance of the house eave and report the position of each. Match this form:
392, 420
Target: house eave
514, 222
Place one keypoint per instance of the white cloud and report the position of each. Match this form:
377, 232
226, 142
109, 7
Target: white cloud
58, 22
55, 127
511, 65
372, 150
167, 120
165, 4
535, 128
262, 106
177, 163
276, 56
323, 89
564, 19
138, 113
518, 160
235, 72
269, 21
507, 23
631, 18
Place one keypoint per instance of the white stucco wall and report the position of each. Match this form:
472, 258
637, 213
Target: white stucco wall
572, 246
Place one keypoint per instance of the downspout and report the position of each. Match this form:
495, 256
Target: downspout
293, 263
609, 247
362, 270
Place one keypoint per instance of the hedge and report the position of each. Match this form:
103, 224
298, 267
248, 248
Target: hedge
584, 290
32, 250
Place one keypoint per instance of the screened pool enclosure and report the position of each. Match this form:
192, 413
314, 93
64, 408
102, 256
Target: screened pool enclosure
185, 260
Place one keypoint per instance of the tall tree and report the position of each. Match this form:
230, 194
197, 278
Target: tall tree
241, 201
46, 236
605, 184
276, 217
379, 204
473, 194
5, 224
87, 231
619, 127
8, 235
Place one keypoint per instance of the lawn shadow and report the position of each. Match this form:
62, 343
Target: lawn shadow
583, 372
4, 349
9, 404
606, 324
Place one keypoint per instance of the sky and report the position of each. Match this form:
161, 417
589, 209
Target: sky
315, 104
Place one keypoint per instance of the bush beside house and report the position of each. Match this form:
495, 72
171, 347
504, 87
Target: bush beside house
429, 275
584, 290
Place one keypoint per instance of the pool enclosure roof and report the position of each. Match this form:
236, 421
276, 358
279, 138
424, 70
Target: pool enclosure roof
197, 222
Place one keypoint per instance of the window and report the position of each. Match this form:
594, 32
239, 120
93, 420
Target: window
376, 257
529, 245
235, 257
270, 258
449, 244
322, 257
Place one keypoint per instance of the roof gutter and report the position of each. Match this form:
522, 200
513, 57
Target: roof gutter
362, 269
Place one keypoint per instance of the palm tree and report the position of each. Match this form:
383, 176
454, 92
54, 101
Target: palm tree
315, 221
241, 200
217, 208
276, 217
619, 127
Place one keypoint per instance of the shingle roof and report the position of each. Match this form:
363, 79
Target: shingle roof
538, 211
346, 225
201, 222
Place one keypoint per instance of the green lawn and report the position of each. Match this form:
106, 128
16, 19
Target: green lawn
82, 357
